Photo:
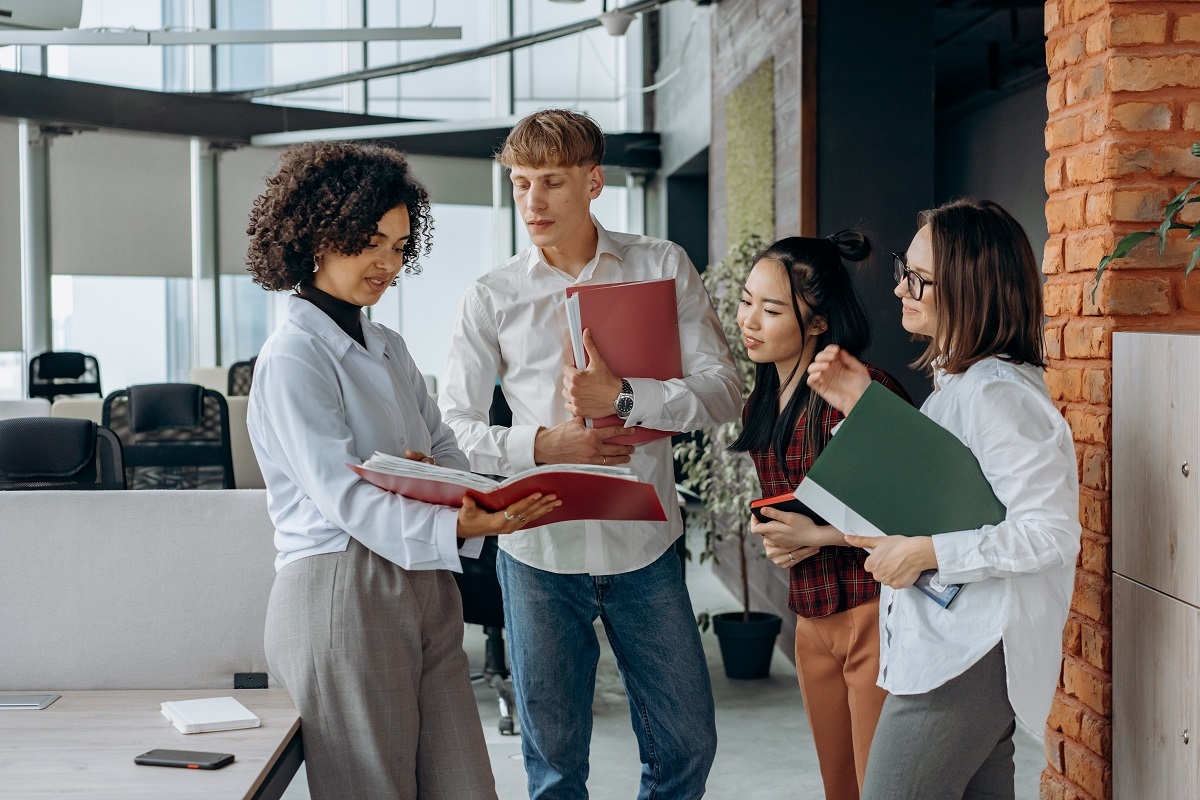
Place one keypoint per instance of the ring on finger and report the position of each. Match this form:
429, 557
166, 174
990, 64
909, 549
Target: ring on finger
791, 557
509, 516
523, 520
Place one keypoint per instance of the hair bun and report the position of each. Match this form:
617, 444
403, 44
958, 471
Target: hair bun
851, 245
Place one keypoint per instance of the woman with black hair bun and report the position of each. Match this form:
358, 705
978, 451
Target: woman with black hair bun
798, 299
364, 624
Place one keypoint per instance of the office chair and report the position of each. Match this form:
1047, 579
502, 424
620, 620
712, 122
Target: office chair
483, 602
59, 373
241, 375
47, 453
175, 436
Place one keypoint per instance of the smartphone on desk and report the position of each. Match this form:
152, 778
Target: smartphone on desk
187, 759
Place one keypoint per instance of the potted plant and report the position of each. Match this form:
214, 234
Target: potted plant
726, 482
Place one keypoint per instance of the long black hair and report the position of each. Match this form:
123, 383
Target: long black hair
818, 276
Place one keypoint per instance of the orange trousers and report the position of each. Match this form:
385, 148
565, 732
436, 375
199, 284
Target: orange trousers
837, 662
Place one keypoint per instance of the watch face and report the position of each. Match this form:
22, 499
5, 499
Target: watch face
624, 405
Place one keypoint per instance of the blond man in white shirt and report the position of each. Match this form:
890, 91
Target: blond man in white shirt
559, 579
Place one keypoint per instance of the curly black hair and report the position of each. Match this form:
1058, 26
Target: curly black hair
329, 196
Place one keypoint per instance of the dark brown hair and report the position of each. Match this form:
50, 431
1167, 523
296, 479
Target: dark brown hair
989, 288
329, 196
553, 137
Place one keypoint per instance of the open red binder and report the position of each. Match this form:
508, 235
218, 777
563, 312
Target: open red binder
635, 326
585, 494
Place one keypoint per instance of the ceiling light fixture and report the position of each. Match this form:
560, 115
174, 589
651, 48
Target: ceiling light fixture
616, 22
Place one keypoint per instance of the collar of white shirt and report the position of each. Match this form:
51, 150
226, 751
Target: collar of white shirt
604, 244
312, 319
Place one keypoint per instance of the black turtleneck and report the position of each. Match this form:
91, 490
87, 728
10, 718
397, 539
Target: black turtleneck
346, 316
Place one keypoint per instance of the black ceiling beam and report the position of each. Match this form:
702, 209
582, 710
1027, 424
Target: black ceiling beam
60, 102
57, 101
636, 152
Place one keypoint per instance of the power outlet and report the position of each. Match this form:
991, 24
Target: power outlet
250, 680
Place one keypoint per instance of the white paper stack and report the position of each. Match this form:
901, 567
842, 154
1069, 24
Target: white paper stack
209, 714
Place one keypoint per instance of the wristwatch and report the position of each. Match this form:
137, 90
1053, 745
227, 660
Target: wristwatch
624, 401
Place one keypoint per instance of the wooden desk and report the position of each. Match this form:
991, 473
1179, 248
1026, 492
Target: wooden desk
84, 744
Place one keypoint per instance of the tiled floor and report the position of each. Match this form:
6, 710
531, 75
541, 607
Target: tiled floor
765, 748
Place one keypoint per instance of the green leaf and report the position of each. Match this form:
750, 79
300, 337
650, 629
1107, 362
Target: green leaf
1192, 264
1196, 149
1123, 248
1194, 232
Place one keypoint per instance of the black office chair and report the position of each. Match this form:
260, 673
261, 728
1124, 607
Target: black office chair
241, 375
60, 373
483, 602
175, 436
50, 453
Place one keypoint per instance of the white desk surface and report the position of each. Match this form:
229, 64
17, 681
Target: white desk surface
84, 744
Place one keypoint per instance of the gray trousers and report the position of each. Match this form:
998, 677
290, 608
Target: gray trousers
950, 743
372, 656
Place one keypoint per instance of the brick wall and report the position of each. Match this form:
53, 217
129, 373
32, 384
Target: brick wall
1124, 103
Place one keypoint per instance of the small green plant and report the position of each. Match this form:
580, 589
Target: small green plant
1170, 222
726, 482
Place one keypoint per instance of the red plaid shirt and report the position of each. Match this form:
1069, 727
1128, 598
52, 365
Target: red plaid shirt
833, 580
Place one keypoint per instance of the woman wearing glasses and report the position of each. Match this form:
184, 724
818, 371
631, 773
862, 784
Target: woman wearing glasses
958, 678
797, 299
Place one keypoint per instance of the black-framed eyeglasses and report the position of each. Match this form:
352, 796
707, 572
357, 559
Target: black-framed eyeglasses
916, 284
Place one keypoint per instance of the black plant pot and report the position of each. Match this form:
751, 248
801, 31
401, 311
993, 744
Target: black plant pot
746, 646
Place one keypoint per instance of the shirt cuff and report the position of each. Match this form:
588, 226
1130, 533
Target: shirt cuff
471, 547
649, 397
957, 555
519, 447
445, 535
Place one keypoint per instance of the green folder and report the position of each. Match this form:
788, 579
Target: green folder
891, 470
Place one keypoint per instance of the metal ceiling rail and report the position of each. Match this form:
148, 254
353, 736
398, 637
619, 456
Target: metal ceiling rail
209, 36
446, 59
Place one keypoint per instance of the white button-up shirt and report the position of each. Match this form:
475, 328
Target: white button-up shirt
320, 401
513, 325
1020, 573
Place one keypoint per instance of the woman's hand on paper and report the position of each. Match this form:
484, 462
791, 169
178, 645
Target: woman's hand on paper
414, 455
591, 392
838, 377
896, 561
474, 521
788, 557
791, 530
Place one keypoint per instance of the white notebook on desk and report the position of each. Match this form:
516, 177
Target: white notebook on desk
209, 714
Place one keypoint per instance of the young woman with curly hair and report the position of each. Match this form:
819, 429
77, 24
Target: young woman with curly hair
364, 625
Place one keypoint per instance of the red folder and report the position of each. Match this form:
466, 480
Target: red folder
635, 326
583, 495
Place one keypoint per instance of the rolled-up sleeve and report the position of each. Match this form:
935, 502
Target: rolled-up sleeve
312, 445
710, 391
1030, 467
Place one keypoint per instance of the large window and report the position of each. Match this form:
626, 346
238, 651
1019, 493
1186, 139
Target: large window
138, 328
11, 367
249, 314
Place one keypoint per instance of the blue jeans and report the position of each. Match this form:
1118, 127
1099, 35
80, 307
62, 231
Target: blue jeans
648, 618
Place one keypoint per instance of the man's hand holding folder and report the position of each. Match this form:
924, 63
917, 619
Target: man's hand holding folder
620, 331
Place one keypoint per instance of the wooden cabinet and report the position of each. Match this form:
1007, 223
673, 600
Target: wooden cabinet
1156, 565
